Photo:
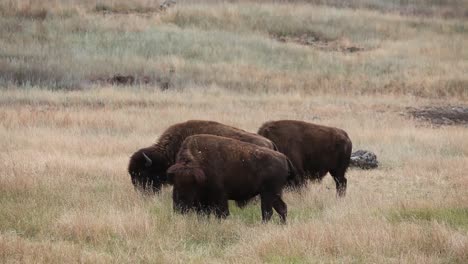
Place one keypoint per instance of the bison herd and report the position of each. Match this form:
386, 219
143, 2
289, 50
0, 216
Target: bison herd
209, 163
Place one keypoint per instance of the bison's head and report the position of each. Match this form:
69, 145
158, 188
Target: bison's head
147, 168
187, 183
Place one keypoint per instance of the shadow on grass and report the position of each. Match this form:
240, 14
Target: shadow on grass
252, 214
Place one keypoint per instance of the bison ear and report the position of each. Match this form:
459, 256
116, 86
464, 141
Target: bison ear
199, 175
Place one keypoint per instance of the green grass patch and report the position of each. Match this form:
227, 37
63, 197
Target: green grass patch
250, 214
455, 217
27, 212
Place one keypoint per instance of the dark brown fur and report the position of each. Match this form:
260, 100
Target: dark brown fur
211, 170
162, 154
313, 149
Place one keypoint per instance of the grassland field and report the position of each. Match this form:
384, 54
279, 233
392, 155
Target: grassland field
68, 125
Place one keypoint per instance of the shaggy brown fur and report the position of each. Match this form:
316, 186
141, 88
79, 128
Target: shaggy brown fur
211, 170
149, 173
313, 149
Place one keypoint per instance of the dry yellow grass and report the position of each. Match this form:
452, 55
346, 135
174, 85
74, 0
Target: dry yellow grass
66, 195
65, 140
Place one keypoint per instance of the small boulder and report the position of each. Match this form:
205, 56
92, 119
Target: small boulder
166, 4
364, 159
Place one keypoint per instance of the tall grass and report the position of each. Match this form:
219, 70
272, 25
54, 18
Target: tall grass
66, 196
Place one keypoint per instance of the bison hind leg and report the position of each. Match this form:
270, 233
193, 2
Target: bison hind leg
281, 208
340, 180
266, 200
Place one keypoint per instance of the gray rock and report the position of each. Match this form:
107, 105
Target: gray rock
364, 159
166, 4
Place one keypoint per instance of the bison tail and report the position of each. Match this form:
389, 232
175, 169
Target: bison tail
294, 179
346, 158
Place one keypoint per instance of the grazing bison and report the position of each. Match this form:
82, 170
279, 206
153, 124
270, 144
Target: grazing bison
210, 170
313, 149
147, 166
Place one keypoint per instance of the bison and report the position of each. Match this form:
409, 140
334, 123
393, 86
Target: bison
147, 166
313, 149
210, 170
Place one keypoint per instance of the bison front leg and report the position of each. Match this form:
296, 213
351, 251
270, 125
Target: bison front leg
156, 188
266, 200
183, 202
218, 203
181, 207
221, 208
203, 209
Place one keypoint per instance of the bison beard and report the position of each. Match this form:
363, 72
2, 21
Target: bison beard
147, 166
314, 150
211, 170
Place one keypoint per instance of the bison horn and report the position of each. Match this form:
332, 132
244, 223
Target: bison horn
148, 160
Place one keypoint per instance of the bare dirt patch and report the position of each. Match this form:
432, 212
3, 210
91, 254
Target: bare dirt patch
164, 82
122, 9
441, 115
341, 45
120, 79
125, 9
